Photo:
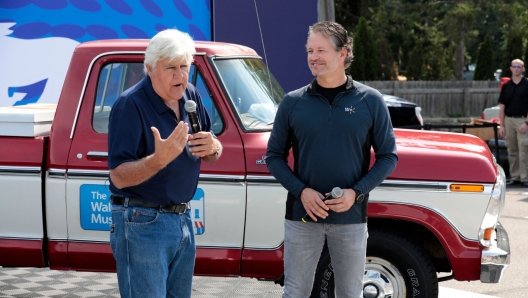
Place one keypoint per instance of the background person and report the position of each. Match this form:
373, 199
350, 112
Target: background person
154, 168
513, 103
331, 125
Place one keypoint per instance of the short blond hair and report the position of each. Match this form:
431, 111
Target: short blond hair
518, 61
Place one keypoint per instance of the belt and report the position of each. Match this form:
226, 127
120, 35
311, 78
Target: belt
516, 116
133, 202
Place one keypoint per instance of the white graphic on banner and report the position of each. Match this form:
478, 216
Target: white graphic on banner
32, 69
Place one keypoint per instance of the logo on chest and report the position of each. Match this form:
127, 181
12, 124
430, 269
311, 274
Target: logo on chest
350, 109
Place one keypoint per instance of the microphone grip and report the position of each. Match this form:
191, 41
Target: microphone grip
305, 218
195, 125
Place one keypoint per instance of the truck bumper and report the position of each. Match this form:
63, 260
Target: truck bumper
495, 258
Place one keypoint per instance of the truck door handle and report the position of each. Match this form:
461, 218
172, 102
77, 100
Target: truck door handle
97, 154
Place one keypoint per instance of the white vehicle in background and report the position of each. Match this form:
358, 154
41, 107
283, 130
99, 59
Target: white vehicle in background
491, 113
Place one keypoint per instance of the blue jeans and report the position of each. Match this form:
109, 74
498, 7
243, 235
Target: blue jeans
303, 244
154, 252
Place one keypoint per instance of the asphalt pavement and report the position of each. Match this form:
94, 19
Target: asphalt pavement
42, 282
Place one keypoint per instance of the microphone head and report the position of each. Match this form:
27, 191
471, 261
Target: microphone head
190, 106
337, 192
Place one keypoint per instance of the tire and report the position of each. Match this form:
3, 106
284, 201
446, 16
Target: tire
324, 285
395, 267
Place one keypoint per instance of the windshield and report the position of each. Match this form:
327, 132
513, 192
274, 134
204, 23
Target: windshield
253, 91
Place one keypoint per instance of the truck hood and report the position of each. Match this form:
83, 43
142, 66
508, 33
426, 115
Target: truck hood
442, 156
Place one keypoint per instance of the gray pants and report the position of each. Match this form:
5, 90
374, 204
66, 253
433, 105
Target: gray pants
303, 244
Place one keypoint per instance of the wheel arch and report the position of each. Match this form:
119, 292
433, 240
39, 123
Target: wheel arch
446, 247
420, 235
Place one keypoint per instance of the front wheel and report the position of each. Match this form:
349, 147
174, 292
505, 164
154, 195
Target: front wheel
396, 267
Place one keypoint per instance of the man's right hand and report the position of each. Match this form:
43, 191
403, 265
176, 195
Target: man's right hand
166, 150
313, 204
502, 132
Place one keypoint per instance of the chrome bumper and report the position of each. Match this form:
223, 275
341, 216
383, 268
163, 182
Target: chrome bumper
495, 258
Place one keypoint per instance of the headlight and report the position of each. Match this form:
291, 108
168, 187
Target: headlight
495, 206
418, 112
393, 104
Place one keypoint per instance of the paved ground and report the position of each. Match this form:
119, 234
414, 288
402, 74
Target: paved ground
39, 282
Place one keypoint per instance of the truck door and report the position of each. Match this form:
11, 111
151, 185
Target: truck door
218, 207
254, 96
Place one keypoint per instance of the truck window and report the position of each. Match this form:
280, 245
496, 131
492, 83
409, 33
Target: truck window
117, 77
196, 78
253, 91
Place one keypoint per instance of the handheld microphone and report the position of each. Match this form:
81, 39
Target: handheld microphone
336, 192
190, 107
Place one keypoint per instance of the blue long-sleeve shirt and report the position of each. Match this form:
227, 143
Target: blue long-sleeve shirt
331, 146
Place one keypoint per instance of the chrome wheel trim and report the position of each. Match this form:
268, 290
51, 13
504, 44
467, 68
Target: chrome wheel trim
382, 280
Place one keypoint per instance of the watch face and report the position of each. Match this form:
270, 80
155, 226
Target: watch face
360, 198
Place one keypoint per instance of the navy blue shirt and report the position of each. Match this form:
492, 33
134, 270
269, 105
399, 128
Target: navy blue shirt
331, 146
130, 139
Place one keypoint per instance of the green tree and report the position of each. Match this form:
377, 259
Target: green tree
403, 29
514, 50
387, 69
416, 63
526, 52
365, 64
348, 12
438, 63
448, 30
485, 61
459, 20
489, 21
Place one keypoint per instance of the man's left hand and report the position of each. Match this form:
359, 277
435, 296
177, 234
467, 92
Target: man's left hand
202, 144
523, 128
344, 203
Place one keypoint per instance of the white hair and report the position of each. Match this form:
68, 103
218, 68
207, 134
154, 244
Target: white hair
169, 43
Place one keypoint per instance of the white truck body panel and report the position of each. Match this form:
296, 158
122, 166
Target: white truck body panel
21, 205
27, 121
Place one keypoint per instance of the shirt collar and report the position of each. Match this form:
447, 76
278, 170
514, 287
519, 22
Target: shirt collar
312, 88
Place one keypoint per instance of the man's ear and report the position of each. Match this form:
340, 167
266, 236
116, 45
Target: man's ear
343, 53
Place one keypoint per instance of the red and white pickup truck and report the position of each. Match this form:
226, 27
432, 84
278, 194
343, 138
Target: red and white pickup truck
437, 212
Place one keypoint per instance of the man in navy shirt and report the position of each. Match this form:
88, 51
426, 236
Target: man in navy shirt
330, 125
154, 162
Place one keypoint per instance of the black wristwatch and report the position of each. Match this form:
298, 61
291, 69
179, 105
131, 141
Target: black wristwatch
359, 196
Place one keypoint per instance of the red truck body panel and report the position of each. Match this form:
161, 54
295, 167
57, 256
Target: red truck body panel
22, 151
450, 157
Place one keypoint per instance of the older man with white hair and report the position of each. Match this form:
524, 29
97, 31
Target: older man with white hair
154, 161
